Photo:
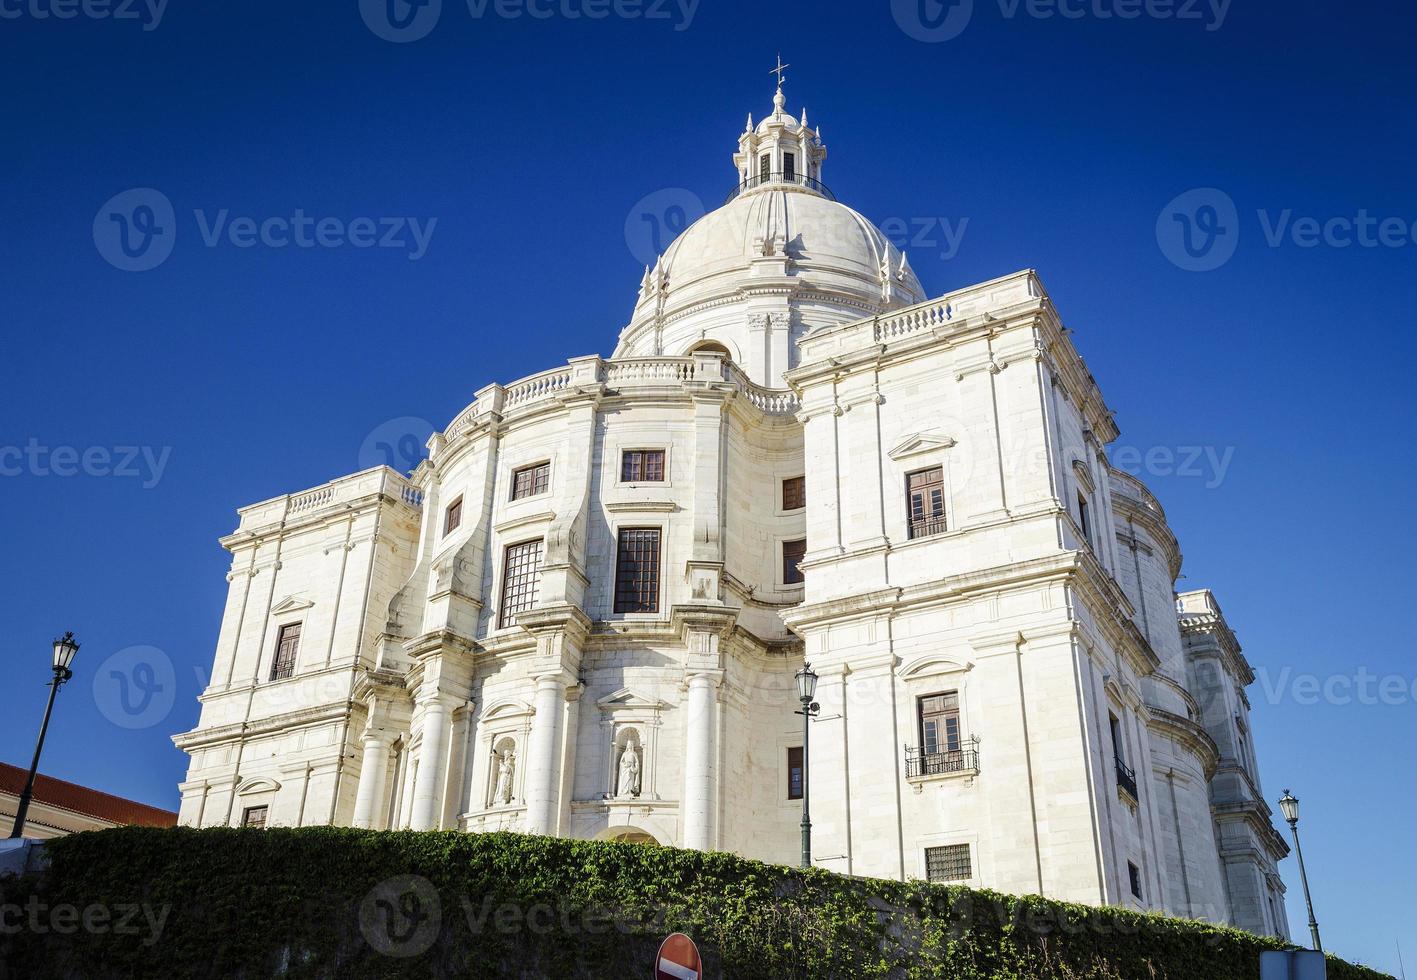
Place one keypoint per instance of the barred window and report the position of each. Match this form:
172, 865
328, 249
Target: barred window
521, 575
794, 493
255, 816
642, 466
948, 863
792, 553
452, 517
637, 570
794, 773
287, 646
939, 723
925, 501
530, 480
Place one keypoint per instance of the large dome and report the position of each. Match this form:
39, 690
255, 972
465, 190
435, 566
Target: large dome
781, 258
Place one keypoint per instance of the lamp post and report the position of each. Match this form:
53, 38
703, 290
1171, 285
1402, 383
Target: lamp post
1289, 805
806, 691
64, 650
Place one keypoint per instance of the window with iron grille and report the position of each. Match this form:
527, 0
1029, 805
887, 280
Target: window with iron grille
939, 723
925, 501
792, 553
794, 493
789, 166
255, 816
1134, 873
642, 466
287, 647
530, 480
521, 575
452, 517
637, 570
948, 863
795, 773
764, 166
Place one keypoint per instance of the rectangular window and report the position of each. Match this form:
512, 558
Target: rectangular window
642, 466
764, 167
794, 493
792, 552
637, 570
452, 517
939, 723
521, 575
287, 646
925, 501
530, 480
1084, 520
794, 773
255, 816
789, 166
1117, 743
1134, 873
948, 863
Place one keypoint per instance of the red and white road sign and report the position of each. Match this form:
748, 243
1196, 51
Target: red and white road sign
678, 959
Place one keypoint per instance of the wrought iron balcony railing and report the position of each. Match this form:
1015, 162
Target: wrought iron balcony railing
963, 759
797, 180
923, 527
1127, 779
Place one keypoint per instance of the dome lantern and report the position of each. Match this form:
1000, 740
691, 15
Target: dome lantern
780, 150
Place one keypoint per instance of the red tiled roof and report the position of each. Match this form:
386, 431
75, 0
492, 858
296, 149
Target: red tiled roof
81, 799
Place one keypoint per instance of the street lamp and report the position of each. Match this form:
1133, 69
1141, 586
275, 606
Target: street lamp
1289, 806
64, 650
806, 691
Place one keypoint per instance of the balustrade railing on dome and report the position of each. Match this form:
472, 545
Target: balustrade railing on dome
792, 180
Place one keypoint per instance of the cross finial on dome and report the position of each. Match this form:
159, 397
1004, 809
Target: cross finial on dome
779, 71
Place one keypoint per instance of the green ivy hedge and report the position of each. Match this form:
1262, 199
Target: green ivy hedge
334, 902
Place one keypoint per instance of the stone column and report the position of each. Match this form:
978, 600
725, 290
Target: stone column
542, 773
432, 764
373, 775
701, 749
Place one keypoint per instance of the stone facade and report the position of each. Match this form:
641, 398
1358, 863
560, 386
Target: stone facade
583, 613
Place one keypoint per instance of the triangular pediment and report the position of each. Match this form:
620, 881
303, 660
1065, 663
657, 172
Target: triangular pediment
628, 698
921, 442
290, 604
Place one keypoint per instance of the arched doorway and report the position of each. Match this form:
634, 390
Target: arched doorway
627, 835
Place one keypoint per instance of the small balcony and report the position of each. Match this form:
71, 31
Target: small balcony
1127, 780
924, 527
962, 760
792, 180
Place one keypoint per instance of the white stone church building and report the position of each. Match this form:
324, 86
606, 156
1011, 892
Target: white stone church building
582, 613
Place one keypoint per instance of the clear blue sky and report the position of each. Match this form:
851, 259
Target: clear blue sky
248, 372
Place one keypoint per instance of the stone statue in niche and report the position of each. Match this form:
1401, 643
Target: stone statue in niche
628, 784
506, 765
